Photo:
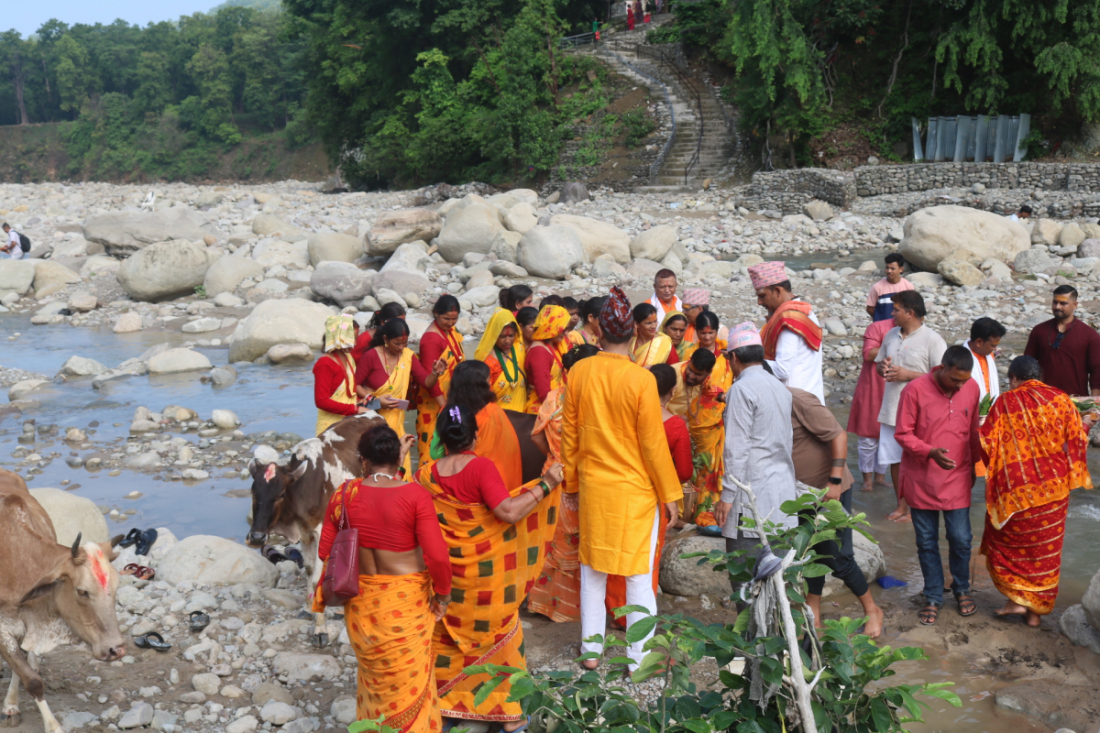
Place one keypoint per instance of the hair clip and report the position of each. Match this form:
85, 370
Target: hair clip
456, 415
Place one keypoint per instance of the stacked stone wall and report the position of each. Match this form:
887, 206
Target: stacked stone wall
887, 179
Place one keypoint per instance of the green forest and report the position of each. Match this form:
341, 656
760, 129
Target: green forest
406, 92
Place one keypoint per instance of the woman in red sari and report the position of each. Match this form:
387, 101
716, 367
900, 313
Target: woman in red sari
440, 341
1034, 445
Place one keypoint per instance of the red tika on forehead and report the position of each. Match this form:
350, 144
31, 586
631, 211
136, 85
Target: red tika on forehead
269, 474
98, 563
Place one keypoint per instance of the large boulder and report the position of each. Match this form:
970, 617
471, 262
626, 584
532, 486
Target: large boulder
1071, 235
1088, 248
332, 247
215, 561
1034, 260
653, 244
165, 270
228, 272
177, 360
1091, 601
269, 225
551, 252
400, 282
960, 272
49, 272
15, 275
1075, 625
936, 233
471, 228
97, 265
291, 255
1046, 232
81, 366
504, 246
573, 192
521, 218
394, 228
686, 577
72, 514
597, 237
408, 257
340, 282
288, 321
870, 559
124, 232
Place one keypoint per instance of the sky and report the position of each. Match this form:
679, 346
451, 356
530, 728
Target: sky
28, 17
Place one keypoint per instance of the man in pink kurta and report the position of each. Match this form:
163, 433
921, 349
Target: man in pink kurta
866, 404
937, 429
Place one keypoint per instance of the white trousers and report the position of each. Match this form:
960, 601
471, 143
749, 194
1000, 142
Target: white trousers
639, 592
889, 452
868, 456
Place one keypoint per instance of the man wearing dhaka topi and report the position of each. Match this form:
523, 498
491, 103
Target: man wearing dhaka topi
792, 335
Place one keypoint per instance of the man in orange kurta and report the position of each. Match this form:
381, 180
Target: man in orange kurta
617, 462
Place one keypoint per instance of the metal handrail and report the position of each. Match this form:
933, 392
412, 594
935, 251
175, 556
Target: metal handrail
582, 39
656, 166
663, 57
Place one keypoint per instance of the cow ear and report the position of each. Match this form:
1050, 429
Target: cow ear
300, 471
254, 467
44, 588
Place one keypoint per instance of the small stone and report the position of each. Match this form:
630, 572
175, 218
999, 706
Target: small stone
206, 683
343, 710
140, 715
225, 419
278, 713
247, 724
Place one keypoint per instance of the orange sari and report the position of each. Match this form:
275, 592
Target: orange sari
708, 437
1036, 448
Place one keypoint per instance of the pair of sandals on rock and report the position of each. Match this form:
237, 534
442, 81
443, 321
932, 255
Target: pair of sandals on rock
153, 640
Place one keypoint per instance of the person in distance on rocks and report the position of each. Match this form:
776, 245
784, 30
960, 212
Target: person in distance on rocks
880, 306
937, 429
1022, 215
792, 335
1067, 348
908, 351
664, 294
12, 245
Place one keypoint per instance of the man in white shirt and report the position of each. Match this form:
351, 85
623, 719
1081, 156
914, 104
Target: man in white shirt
664, 295
985, 336
910, 350
1022, 215
12, 246
792, 335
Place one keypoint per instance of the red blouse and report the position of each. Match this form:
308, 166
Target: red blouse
679, 442
433, 345
540, 363
362, 344
370, 372
328, 376
395, 519
478, 482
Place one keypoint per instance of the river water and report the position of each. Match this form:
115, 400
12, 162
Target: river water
280, 398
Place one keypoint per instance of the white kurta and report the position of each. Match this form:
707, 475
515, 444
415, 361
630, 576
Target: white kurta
661, 312
797, 365
979, 377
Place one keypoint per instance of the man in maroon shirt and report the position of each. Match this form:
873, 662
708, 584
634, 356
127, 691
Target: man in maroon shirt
937, 429
1066, 348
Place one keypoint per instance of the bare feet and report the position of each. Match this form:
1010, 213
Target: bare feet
1015, 609
901, 514
590, 663
873, 627
868, 486
880, 480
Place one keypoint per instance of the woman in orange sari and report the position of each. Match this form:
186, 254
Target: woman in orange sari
495, 558
499, 350
706, 407
404, 585
440, 341
544, 368
556, 593
1034, 445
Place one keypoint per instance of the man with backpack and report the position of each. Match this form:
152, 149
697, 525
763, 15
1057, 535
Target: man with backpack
13, 243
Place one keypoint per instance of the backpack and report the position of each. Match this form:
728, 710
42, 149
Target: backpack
24, 242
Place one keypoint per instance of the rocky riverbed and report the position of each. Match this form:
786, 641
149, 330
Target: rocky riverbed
157, 344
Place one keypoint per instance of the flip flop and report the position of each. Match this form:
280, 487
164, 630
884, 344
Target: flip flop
152, 640
929, 614
199, 621
273, 555
130, 569
145, 541
293, 553
145, 573
130, 538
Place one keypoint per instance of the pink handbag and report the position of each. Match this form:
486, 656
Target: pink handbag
341, 580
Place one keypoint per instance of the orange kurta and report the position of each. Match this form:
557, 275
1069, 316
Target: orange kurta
616, 457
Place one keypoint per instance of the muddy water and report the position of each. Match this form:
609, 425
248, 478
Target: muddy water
280, 398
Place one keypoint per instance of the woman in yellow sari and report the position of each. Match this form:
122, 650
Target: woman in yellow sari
649, 346
675, 326
505, 358
544, 369
334, 374
706, 404
557, 592
440, 341
387, 369
495, 558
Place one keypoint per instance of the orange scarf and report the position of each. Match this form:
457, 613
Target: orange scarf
793, 315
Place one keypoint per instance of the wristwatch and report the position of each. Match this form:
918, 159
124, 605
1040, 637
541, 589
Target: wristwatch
836, 480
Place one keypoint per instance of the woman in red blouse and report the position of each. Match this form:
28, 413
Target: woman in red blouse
381, 317
404, 584
526, 318
440, 341
543, 366
334, 374
516, 297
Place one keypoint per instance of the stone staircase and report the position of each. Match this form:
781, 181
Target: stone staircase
627, 53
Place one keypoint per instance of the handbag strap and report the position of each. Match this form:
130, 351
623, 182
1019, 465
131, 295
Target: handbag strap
344, 521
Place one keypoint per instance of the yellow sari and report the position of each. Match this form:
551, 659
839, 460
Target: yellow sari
708, 437
684, 348
505, 370
494, 564
653, 352
397, 386
344, 394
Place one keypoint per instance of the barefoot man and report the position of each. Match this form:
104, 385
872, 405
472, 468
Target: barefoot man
908, 351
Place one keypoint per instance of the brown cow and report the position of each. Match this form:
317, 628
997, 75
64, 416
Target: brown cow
290, 500
50, 595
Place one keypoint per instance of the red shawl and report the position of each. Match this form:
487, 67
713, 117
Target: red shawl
794, 315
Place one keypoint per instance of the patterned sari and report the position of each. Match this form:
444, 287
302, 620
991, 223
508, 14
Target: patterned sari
708, 437
1036, 448
397, 386
494, 566
653, 352
427, 409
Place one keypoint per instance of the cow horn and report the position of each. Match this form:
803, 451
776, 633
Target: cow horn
76, 544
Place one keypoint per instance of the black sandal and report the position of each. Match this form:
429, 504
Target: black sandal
130, 538
152, 640
929, 614
145, 541
199, 621
967, 606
